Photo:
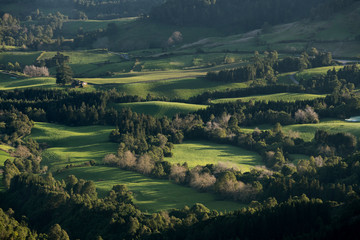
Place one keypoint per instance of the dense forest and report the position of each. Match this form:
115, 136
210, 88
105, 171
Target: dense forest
241, 12
94, 9
304, 179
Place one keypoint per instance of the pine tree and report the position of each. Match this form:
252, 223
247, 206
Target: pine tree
63, 74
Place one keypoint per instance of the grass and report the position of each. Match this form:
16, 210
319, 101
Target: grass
8, 82
287, 97
151, 195
203, 152
71, 27
72, 145
178, 88
313, 72
4, 155
295, 158
159, 108
307, 131
24, 58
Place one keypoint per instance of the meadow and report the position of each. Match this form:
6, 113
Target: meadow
307, 131
196, 153
72, 145
160, 109
4, 154
179, 88
9, 82
286, 97
150, 195
24, 58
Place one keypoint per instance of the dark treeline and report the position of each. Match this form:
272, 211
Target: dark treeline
241, 12
244, 92
94, 9
341, 82
71, 209
33, 35
269, 65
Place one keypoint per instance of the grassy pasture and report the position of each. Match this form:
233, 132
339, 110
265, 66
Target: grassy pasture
24, 58
8, 82
313, 72
203, 152
159, 108
151, 195
287, 97
4, 155
72, 145
177, 88
307, 131
295, 158
71, 27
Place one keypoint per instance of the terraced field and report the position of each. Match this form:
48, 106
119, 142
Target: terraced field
160, 109
203, 152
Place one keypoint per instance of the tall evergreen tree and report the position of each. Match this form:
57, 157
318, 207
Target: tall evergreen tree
63, 74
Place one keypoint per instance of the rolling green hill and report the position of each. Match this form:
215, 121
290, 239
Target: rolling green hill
288, 97
151, 195
307, 131
202, 152
160, 109
72, 145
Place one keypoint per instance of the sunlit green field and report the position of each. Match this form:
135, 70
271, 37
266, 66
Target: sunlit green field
8, 82
4, 155
203, 152
24, 58
183, 88
287, 97
313, 72
307, 131
72, 145
150, 194
160, 109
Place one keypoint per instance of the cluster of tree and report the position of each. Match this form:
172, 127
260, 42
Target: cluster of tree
13, 33
74, 205
14, 125
269, 65
11, 66
340, 82
33, 71
206, 97
308, 59
84, 9
10, 228
230, 13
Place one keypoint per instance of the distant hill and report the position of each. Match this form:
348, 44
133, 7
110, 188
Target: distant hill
243, 14
93, 9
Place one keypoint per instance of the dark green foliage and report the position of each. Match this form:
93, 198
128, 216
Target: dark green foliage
235, 12
63, 74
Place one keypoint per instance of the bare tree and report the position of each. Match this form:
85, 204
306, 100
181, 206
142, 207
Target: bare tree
178, 173
201, 180
111, 159
306, 116
34, 71
127, 160
144, 164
